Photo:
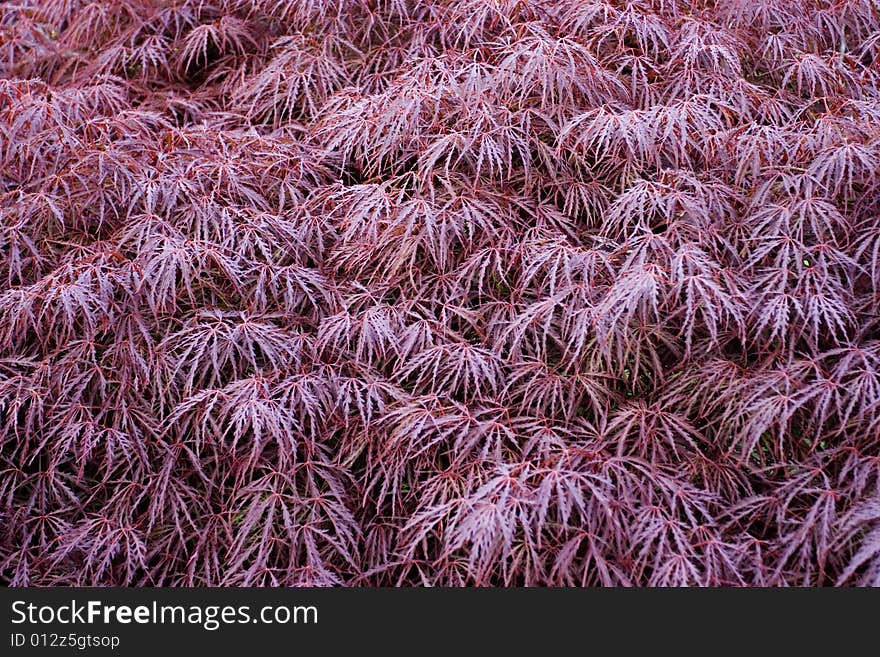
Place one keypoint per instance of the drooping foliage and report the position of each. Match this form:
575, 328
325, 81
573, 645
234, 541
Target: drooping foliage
453, 292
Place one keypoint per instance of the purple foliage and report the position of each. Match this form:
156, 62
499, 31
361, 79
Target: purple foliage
455, 292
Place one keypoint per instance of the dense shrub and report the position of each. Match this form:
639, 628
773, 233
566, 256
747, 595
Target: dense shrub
476, 292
